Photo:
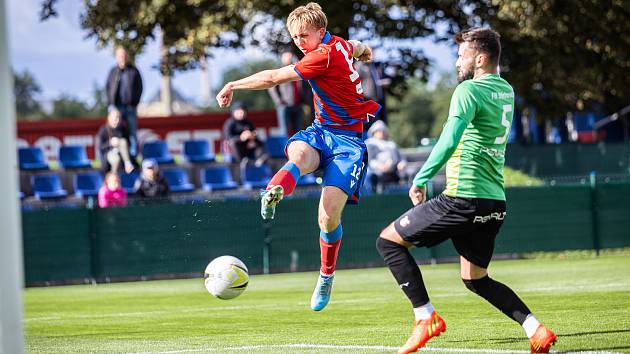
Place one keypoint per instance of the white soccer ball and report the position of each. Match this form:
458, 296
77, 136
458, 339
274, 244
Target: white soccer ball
226, 277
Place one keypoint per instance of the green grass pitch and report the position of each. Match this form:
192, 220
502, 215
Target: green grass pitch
585, 301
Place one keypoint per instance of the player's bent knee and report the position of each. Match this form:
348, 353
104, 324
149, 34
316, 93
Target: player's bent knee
385, 233
477, 285
385, 247
389, 233
327, 223
303, 156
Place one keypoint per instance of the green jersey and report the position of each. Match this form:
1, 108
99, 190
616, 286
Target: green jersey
473, 140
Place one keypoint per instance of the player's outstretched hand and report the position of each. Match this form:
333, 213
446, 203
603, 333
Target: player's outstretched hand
366, 55
417, 195
224, 97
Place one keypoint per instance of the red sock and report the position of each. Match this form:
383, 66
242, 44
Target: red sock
329, 252
286, 177
329, 243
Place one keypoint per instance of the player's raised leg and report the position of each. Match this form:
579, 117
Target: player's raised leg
395, 253
503, 298
331, 205
303, 159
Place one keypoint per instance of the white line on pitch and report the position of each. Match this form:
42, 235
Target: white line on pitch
617, 286
355, 347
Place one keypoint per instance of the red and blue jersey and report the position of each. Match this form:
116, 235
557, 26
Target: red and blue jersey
337, 92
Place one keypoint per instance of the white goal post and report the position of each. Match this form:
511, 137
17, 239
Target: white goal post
11, 266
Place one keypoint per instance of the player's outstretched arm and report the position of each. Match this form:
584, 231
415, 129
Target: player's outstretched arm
442, 151
361, 51
259, 81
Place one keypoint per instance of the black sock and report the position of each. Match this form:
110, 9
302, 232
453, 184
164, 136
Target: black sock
405, 270
500, 296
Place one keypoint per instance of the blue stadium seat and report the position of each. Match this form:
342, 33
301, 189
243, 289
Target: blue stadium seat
307, 180
74, 156
32, 158
177, 179
198, 151
217, 178
253, 177
157, 150
275, 146
87, 184
127, 180
47, 186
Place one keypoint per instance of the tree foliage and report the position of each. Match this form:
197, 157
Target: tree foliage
559, 55
26, 89
421, 113
389, 26
258, 99
190, 27
66, 106
565, 55
187, 27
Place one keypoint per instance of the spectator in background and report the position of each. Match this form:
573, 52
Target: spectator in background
289, 99
113, 140
241, 136
152, 182
124, 88
112, 193
386, 165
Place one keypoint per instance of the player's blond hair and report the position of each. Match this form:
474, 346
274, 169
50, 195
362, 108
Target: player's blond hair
309, 15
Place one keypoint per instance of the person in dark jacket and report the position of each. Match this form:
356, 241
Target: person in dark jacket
113, 143
124, 89
152, 182
241, 136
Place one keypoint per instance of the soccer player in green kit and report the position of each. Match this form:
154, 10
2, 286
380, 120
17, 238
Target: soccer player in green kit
471, 209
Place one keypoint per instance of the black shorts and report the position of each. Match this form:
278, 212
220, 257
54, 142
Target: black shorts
472, 224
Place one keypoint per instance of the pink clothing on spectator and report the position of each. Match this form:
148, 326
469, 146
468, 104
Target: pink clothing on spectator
109, 198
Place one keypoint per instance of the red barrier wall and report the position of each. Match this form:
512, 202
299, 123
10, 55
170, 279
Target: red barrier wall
50, 135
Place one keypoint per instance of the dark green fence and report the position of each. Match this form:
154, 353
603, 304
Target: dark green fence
56, 244
167, 240
569, 159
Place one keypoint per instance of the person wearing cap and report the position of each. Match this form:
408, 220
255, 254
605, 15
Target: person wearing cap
240, 134
152, 183
386, 165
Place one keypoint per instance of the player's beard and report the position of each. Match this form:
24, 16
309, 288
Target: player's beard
465, 74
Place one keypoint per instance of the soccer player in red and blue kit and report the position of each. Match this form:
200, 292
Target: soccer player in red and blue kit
333, 143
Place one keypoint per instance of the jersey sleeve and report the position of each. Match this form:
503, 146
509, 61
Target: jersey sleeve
313, 64
463, 103
442, 151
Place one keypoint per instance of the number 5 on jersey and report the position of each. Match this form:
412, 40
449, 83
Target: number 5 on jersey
506, 123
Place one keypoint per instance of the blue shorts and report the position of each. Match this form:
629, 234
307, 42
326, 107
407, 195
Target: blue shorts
342, 155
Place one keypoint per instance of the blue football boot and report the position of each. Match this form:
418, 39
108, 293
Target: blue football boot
321, 294
268, 201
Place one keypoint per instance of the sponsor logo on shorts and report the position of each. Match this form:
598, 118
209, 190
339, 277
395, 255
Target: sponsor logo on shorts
404, 221
491, 216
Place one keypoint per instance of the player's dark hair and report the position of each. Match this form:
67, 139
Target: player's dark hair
484, 40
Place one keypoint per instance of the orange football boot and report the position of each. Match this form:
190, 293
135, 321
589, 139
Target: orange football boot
542, 340
423, 330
